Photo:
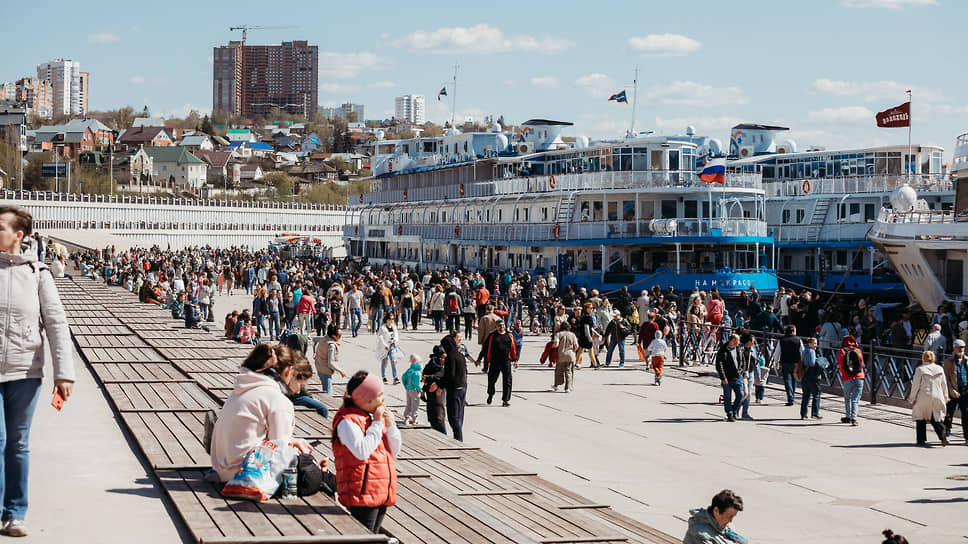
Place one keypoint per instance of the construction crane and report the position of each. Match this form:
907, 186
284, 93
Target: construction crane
245, 29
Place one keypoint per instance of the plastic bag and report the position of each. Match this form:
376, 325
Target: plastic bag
261, 473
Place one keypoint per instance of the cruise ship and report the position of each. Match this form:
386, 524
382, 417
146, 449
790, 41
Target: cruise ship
600, 215
821, 205
929, 246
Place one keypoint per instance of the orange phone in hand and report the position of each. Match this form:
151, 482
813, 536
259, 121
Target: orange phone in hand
58, 401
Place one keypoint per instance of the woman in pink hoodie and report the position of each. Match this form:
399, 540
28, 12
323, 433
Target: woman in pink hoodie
258, 409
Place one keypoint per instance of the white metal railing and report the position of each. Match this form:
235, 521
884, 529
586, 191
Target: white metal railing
50, 196
591, 181
921, 217
858, 184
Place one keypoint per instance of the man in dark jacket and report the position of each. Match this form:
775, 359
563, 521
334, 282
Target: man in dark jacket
455, 382
787, 354
727, 366
499, 350
433, 374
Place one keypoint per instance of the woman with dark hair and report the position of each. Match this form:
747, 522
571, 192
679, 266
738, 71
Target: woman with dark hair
366, 441
259, 409
32, 306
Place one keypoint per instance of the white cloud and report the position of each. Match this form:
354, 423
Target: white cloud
888, 4
545, 81
597, 85
847, 114
482, 38
103, 37
182, 111
348, 65
137, 80
947, 108
337, 88
690, 93
663, 45
875, 91
381, 85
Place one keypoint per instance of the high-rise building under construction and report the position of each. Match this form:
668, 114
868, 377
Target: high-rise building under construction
250, 80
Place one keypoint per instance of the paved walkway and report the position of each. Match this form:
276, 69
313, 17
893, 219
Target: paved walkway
650, 452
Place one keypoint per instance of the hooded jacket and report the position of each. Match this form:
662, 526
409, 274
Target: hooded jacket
30, 305
929, 390
455, 365
256, 411
703, 529
849, 343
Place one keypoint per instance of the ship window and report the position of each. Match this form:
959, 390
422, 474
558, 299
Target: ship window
841, 258
810, 262
668, 209
869, 213
691, 209
788, 262
800, 215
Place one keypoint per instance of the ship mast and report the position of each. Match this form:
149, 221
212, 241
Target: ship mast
453, 99
635, 92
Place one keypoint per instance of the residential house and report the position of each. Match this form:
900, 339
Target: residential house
250, 149
285, 143
173, 167
103, 135
313, 172
67, 144
310, 143
250, 172
198, 141
219, 166
135, 137
240, 135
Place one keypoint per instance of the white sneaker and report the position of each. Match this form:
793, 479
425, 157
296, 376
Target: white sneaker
14, 527
567, 390
554, 388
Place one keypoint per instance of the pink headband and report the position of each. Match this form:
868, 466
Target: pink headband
367, 390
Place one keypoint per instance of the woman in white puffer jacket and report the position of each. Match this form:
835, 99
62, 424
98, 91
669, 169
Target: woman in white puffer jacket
29, 307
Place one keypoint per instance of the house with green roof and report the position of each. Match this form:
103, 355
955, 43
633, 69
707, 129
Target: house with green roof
240, 135
172, 167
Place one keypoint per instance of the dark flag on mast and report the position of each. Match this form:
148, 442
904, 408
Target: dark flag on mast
443, 92
619, 97
896, 117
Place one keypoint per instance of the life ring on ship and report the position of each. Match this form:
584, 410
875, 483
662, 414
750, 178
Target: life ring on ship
361, 198
806, 186
556, 230
404, 194
461, 189
356, 229
551, 182
390, 166
399, 230
456, 231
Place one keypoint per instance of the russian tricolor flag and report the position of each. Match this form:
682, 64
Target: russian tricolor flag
715, 171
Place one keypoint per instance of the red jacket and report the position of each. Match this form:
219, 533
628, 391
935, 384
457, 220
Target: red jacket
368, 483
482, 296
550, 354
306, 305
849, 343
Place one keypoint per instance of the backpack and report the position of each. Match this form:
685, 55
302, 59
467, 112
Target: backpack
853, 363
799, 371
453, 305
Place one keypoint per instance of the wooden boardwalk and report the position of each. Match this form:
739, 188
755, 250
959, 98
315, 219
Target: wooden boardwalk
162, 378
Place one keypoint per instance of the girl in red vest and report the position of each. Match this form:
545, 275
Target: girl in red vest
365, 442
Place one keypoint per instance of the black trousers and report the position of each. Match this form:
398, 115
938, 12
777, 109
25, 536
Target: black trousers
922, 430
435, 411
453, 322
370, 516
496, 369
954, 405
456, 399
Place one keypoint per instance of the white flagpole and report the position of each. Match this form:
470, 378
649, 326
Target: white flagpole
910, 158
635, 97
453, 100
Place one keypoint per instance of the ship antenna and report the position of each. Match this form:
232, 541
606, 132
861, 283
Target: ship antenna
635, 92
453, 100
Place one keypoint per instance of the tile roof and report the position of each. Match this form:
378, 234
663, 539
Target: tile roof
175, 154
217, 159
141, 134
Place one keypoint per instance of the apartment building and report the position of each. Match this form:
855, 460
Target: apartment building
251, 80
65, 79
35, 93
409, 108
344, 110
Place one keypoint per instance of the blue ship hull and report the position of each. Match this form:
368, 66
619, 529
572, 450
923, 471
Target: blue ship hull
856, 282
729, 282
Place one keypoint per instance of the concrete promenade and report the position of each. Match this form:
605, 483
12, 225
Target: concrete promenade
650, 452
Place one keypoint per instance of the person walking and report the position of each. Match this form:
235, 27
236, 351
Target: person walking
850, 362
29, 294
366, 442
454, 382
326, 357
433, 373
305, 311
486, 325
566, 344
656, 351
728, 370
747, 367
928, 397
811, 381
956, 375
274, 309
411, 384
436, 306
787, 354
586, 336
498, 351
387, 349
354, 305
617, 330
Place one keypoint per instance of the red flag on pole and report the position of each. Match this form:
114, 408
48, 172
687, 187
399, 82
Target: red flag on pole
899, 116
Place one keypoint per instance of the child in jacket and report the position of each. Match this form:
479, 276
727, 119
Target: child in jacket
411, 382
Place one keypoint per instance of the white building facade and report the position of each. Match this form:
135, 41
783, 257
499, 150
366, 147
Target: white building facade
410, 108
65, 79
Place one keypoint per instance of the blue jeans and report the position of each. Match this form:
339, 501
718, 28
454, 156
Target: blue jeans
730, 390
811, 398
203, 309
789, 383
19, 398
376, 318
621, 352
383, 367
745, 403
261, 321
274, 325
310, 402
327, 382
407, 312
853, 389
356, 319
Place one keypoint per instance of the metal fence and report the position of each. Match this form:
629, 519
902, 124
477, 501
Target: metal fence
888, 371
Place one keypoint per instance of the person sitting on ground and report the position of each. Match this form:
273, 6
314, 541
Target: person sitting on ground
257, 410
247, 333
891, 538
230, 321
366, 441
710, 525
298, 344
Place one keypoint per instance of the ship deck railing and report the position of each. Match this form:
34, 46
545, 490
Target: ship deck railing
658, 180
858, 184
920, 217
51, 196
551, 231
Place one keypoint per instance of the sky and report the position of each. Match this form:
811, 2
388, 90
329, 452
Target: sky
820, 67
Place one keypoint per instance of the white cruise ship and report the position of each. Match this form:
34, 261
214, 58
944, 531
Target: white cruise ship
929, 247
631, 212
